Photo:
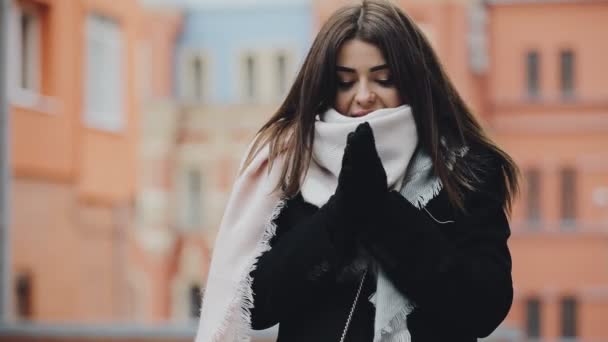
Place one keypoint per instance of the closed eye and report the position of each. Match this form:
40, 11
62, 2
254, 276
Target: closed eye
345, 84
386, 83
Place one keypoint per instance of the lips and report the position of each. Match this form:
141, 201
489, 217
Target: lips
361, 113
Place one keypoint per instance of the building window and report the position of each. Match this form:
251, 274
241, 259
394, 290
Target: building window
192, 195
281, 74
23, 291
250, 77
569, 313
193, 76
533, 318
104, 72
568, 197
195, 301
29, 49
478, 37
532, 74
197, 75
567, 73
533, 197
26, 23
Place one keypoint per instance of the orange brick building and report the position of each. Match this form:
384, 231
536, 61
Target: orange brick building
75, 118
535, 73
547, 104
99, 156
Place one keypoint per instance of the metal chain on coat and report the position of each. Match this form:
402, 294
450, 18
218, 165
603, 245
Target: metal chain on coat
352, 309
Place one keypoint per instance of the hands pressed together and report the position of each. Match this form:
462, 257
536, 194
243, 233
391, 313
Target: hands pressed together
362, 198
363, 211
362, 182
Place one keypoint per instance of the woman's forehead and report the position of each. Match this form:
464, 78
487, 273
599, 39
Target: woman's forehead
357, 54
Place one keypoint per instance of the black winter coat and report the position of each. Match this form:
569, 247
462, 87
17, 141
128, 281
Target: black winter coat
454, 267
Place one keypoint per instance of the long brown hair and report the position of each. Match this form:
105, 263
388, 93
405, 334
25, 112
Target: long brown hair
439, 111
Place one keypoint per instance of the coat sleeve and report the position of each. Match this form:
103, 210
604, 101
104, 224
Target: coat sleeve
464, 280
302, 260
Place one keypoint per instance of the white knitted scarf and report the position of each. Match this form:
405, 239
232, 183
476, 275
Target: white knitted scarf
247, 225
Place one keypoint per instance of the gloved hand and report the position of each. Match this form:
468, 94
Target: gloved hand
362, 181
362, 186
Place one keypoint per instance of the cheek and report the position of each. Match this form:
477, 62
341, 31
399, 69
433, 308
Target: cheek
391, 98
342, 102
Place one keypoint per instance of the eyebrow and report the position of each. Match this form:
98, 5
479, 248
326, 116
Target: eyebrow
372, 69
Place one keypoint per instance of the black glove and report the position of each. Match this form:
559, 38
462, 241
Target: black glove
361, 186
294, 212
394, 230
362, 181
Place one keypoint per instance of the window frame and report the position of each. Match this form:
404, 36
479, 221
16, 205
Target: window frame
568, 328
533, 74
533, 322
251, 64
568, 197
533, 178
19, 95
567, 73
107, 33
188, 209
186, 79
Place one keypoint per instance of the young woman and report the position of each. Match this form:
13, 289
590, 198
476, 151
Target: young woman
371, 206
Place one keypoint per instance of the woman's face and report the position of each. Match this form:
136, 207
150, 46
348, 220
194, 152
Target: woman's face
365, 82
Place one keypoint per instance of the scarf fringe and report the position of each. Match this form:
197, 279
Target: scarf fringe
428, 194
243, 300
397, 330
238, 315
434, 186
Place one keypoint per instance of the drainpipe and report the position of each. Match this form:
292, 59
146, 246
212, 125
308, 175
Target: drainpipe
5, 171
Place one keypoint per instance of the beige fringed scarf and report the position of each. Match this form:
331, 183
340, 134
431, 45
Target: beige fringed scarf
247, 225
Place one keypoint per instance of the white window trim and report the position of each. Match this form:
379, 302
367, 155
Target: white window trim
478, 38
184, 215
19, 96
290, 56
266, 78
115, 120
244, 95
186, 78
34, 48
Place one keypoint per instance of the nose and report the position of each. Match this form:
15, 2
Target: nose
364, 96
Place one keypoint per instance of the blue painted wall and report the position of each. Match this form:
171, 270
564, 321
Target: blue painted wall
225, 32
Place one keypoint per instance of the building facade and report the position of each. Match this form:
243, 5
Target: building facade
547, 104
74, 119
128, 126
232, 66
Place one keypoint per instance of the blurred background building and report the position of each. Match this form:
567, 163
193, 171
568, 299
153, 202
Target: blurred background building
74, 127
128, 120
232, 66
